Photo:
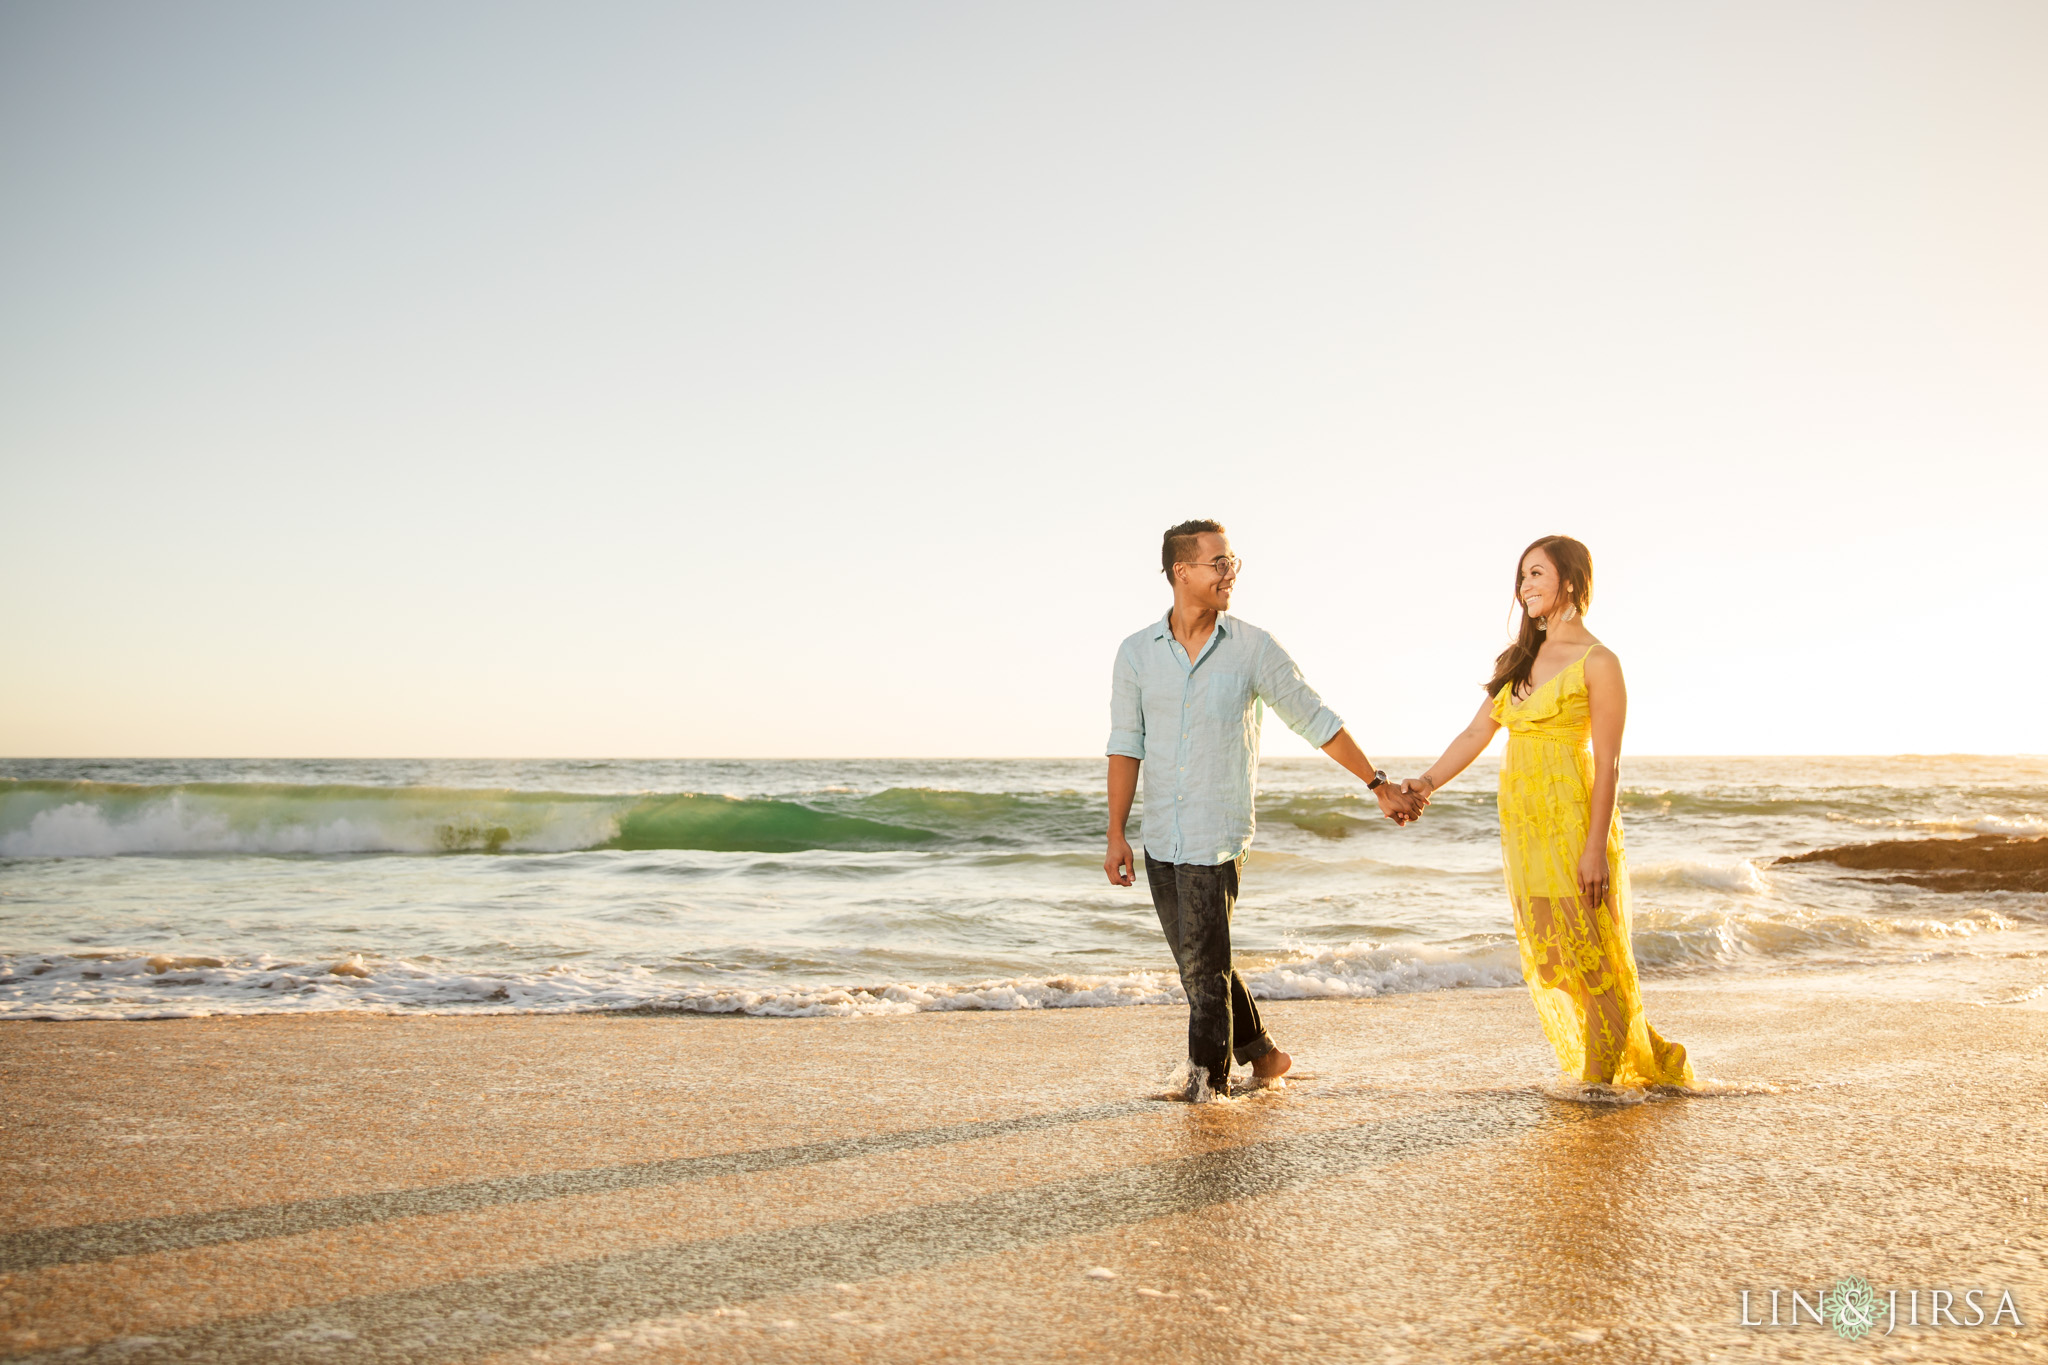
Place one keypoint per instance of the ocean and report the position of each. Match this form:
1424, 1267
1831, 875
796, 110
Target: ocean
150, 889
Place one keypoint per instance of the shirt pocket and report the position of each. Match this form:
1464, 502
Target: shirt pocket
1228, 694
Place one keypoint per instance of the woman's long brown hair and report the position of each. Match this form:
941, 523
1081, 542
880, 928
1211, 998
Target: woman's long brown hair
1575, 573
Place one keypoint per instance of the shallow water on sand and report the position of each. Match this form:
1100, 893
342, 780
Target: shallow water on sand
152, 888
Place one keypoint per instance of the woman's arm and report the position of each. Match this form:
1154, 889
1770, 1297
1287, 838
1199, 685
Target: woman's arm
1608, 696
1470, 743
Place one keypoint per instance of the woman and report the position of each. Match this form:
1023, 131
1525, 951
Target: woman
1555, 688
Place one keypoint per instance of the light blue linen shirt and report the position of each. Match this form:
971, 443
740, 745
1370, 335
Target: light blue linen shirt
1195, 727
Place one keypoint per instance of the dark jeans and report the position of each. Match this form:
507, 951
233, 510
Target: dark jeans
1194, 904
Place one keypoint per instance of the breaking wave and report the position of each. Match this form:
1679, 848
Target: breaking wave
42, 819
84, 819
1739, 874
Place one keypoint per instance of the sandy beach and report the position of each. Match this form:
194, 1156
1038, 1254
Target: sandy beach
660, 655
1009, 1186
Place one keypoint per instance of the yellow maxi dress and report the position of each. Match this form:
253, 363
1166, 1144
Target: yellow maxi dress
1575, 954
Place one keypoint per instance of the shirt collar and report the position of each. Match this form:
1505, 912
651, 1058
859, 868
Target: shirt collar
1164, 630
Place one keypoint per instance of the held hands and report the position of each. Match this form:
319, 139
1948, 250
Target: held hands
1118, 862
1404, 804
1399, 804
1593, 875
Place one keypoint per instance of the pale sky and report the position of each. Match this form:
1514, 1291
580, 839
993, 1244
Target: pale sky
618, 379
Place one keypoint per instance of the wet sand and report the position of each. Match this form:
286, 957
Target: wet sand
1008, 1187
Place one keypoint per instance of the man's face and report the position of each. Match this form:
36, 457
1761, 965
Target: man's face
1211, 578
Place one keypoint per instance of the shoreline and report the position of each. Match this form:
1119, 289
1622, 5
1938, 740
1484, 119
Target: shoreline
544, 1187
2015, 978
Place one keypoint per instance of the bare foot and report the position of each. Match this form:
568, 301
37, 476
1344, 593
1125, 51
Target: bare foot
1272, 1066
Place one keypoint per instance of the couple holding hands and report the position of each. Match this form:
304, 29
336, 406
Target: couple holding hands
1185, 710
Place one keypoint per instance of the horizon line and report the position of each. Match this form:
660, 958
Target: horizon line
832, 758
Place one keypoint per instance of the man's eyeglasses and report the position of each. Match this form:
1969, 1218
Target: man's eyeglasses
1226, 566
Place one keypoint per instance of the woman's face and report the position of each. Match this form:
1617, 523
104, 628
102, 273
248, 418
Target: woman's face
1539, 588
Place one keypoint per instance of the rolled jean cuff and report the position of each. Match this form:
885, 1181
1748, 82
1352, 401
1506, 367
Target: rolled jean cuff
1255, 1049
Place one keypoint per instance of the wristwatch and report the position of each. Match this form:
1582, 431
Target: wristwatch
1379, 779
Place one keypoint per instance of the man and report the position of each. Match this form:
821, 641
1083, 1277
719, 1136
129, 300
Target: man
1186, 704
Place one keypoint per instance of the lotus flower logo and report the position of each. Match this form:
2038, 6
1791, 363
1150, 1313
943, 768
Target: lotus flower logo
1851, 1306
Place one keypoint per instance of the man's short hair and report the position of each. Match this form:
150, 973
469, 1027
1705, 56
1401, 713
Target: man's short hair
1180, 542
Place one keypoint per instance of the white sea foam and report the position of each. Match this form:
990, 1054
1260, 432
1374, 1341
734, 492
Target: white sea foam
135, 985
1594, 1092
1363, 970
1739, 875
1723, 939
1031, 993
132, 985
1999, 824
1184, 1082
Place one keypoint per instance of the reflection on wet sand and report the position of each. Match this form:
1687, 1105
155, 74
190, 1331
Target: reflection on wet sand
1575, 1224
533, 1191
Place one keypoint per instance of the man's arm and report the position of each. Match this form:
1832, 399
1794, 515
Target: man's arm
1123, 785
1126, 750
1397, 805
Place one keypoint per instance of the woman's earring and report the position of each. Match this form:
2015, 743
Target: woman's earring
1571, 613
1542, 623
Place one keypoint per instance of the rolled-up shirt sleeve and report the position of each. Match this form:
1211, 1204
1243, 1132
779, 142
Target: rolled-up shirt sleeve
1126, 709
1292, 699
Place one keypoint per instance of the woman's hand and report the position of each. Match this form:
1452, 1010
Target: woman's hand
1397, 805
1593, 875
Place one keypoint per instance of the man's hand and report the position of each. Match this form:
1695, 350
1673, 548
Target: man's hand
1398, 804
1118, 862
